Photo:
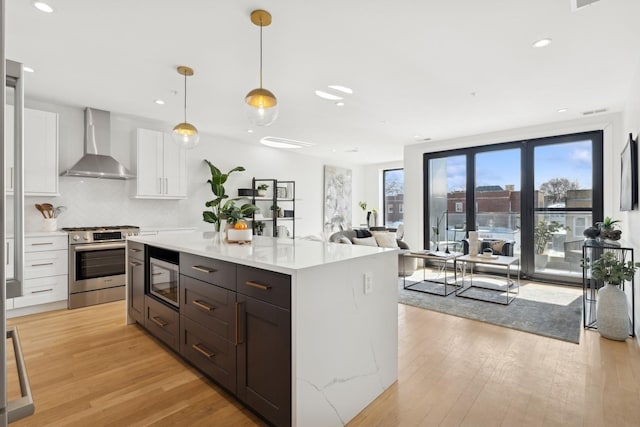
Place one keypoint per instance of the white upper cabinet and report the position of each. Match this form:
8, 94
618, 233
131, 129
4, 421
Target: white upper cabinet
161, 166
40, 152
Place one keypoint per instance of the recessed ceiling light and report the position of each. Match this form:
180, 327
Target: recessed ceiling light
542, 43
339, 104
562, 110
43, 7
28, 69
276, 142
342, 89
159, 101
328, 96
250, 130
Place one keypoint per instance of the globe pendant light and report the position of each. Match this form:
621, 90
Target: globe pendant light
185, 134
262, 105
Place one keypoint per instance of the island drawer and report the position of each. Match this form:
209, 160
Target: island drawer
208, 305
267, 286
210, 353
162, 322
209, 270
135, 250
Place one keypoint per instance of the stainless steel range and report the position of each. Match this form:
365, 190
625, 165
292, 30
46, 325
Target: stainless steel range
97, 264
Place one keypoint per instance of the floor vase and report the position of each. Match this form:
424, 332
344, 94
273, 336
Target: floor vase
612, 313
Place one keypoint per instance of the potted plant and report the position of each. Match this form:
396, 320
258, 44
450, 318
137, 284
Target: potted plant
232, 213
542, 234
612, 307
262, 189
607, 229
218, 208
258, 226
276, 211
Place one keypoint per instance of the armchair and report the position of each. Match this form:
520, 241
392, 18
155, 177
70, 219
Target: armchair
494, 245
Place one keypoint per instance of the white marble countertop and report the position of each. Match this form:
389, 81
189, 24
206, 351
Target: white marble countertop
281, 255
41, 234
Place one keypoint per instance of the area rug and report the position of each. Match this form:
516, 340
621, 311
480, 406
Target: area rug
550, 311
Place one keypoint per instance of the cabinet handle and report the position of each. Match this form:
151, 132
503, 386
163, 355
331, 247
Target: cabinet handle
157, 274
7, 253
202, 305
41, 291
204, 269
200, 349
42, 244
257, 285
135, 250
135, 264
158, 321
11, 177
41, 265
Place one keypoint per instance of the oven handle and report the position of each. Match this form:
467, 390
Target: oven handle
99, 246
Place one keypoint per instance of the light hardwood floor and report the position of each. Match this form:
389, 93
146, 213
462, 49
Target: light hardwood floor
89, 369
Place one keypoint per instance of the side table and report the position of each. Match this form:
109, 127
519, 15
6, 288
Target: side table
442, 287
511, 288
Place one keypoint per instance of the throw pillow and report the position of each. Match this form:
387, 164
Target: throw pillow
365, 241
496, 246
345, 240
386, 240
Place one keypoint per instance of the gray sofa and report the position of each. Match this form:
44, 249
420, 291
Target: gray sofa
406, 265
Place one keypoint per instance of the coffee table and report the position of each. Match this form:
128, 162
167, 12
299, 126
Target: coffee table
486, 292
444, 286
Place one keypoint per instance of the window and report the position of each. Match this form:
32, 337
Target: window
579, 225
540, 193
393, 185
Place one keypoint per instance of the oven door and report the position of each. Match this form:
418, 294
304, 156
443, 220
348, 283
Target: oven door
96, 266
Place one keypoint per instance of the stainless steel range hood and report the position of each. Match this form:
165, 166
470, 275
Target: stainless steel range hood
97, 161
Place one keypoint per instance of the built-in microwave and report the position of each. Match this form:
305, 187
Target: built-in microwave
164, 281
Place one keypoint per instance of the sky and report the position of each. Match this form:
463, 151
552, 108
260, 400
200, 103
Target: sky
502, 167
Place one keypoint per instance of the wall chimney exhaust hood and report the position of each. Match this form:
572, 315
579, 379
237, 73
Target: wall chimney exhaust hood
97, 161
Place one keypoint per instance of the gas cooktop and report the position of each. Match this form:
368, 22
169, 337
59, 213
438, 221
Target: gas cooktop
104, 228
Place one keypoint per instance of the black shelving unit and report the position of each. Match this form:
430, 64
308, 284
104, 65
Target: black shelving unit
593, 250
280, 194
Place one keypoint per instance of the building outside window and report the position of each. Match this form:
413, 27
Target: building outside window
393, 185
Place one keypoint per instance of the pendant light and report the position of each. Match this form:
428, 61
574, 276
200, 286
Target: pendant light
185, 134
262, 105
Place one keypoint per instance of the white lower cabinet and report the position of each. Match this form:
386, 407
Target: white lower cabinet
41, 291
45, 274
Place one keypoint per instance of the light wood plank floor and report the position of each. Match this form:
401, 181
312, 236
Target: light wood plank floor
88, 369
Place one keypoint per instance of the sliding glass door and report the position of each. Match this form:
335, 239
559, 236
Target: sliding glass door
563, 203
540, 194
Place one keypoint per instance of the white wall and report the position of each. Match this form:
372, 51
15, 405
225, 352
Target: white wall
610, 124
92, 202
631, 220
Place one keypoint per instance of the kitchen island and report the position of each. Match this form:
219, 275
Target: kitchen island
341, 319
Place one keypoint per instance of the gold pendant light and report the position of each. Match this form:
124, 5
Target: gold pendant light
185, 134
262, 105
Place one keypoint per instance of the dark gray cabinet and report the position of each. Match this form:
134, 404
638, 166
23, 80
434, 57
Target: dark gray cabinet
233, 324
163, 322
136, 270
264, 343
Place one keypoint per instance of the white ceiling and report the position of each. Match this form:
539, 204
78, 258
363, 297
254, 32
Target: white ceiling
438, 69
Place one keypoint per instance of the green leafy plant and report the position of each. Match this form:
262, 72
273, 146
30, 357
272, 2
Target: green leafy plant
258, 226
543, 232
610, 269
233, 213
219, 210
262, 187
363, 206
607, 229
607, 223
